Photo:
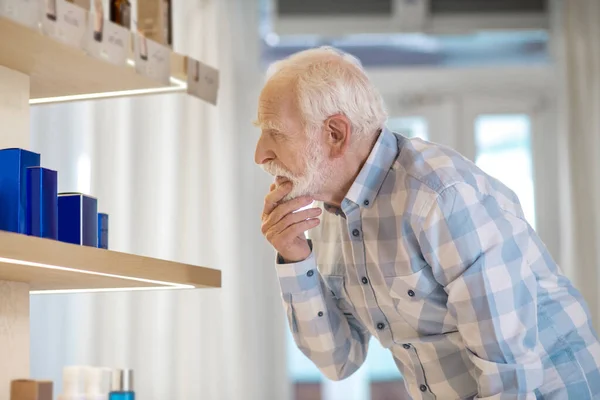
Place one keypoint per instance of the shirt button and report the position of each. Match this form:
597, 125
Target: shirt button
364, 280
366, 202
411, 293
310, 273
423, 388
380, 325
356, 233
320, 314
406, 346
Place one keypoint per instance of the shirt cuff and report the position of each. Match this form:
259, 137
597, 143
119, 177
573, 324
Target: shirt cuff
298, 277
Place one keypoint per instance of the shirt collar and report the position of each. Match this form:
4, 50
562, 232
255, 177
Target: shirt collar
367, 184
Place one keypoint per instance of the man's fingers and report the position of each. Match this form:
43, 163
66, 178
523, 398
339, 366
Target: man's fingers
298, 229
281, 240
288, 207
275, 196
293, 218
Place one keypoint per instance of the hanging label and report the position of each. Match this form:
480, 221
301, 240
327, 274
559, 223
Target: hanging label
107, 41
152, 60
202, 81
65, 22
26, 12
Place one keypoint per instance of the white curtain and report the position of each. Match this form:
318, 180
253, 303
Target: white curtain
576, 44
177, 178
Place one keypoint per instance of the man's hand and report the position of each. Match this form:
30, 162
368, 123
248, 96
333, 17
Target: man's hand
283, 227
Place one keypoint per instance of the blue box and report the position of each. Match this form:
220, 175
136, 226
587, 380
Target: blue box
42, 202
13, 188
103, 230
78, 219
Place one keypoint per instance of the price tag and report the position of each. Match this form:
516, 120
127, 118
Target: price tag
26, 12
202, 81
65, 22
107, 41
152, 59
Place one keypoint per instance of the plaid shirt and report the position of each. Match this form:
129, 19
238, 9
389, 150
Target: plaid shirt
435, 259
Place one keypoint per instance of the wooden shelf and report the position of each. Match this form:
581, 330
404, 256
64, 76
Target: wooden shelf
57, 70
49, 265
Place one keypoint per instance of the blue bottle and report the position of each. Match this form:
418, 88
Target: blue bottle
122, 385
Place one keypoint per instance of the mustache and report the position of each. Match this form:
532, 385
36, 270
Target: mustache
275, 170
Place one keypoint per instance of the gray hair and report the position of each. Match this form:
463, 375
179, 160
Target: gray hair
328, 82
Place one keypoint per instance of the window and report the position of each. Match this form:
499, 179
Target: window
503, 150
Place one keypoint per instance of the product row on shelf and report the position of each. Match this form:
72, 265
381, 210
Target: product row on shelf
136, 34
79, 383
31, 204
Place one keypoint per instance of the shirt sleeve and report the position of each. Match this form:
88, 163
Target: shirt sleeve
480, 253
327, 333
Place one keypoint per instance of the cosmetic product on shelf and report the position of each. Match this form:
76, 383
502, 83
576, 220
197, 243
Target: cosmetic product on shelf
97, 383
102, 231
42, 203
78, 219
106, 38
98, 20
143, 46
29, 389
86, 383
50, 9
167, 25
85, 4
153, 19
202, 80
73, 383
122, 385
13, 188
120, 12
66, 21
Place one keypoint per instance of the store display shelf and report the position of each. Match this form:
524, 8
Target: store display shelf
50, 266
59, 72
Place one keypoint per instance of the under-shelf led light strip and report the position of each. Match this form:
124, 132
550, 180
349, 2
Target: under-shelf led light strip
177, 86
163, 285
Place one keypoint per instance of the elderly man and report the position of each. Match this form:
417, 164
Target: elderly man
415, 246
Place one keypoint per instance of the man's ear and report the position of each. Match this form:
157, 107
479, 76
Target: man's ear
339, 131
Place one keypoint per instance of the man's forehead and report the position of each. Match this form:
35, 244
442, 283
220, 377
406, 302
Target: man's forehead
273, 111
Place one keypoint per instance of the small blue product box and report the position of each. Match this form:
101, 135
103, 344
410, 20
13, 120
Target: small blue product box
78, 219
103, 230
13, 188
42, 202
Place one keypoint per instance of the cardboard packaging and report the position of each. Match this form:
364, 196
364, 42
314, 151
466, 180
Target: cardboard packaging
85, 4
78, 219
153, 19
13, 188
102, 230
28, 389
42, 202
65, 21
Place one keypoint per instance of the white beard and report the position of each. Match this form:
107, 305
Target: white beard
317, 171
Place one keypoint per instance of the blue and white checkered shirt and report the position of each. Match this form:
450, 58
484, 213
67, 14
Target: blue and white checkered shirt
435, 259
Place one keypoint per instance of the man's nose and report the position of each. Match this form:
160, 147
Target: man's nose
262, 154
